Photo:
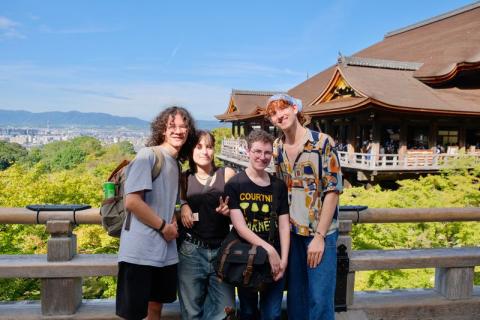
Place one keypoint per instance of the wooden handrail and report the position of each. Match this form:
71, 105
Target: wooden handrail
371, 215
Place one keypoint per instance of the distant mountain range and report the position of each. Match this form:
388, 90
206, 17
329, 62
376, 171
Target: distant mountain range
20, 118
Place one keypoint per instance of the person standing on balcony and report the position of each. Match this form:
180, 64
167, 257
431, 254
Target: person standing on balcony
307, 161
147, 258
205, 218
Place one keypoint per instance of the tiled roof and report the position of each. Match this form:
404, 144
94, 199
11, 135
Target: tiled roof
396, 69
434, 19
248, 104
256, 93
379, 63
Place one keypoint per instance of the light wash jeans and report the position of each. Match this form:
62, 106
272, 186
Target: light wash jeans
201, 294
311, 291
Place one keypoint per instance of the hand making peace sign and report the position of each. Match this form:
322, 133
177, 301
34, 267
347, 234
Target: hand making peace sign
223, 207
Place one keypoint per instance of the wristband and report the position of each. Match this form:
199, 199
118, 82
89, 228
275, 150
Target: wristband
319, 233
162, 226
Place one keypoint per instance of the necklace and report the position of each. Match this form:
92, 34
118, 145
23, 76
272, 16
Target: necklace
209, 175
201, 178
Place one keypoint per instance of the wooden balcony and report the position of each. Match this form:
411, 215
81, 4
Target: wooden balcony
233, 152
61, 270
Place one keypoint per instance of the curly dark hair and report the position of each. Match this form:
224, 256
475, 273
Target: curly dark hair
199, 135
159, 127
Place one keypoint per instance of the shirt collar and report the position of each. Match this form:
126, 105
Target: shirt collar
306, 138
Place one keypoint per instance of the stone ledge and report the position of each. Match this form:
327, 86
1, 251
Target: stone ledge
37, 266
415, 304
414, 258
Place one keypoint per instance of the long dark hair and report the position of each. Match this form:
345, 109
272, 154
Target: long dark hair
159, 127
199, 134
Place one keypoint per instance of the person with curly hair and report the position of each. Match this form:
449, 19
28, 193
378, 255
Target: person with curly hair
147, 258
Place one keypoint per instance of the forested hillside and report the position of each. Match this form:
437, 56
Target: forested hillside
73, 172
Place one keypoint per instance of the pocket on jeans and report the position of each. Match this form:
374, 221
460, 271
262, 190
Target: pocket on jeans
187, 248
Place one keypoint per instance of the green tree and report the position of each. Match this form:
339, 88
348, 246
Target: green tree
10, 153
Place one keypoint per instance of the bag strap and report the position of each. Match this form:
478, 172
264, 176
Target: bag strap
207, 183
247, 274
273, 213
179, 189
159, 160
157, 168
225, 254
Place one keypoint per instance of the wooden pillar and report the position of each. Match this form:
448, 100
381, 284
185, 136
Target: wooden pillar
61, 296
375, 137
328, 127
432, 135
402, 149
351, 134
345, 238
462, 137
237, 129
233, 129
454, 283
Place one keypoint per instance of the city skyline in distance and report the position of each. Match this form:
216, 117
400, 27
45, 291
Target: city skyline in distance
62, 119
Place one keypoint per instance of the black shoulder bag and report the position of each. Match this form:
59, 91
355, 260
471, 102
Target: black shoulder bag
242, 264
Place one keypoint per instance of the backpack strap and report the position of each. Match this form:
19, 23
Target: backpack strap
159, 160
157, 168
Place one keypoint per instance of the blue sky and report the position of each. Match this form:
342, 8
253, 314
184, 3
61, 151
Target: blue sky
133, 58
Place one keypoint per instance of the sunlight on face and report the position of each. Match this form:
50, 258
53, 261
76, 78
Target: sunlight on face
260, 155
177, 131
203, 152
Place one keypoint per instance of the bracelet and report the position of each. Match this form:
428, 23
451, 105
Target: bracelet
318, 232
162, 226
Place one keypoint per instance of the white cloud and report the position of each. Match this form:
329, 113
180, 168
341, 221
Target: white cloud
9, 29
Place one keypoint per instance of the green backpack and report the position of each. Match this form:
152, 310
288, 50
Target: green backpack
113, 210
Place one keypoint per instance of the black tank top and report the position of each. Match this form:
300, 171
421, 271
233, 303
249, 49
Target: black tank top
212, 227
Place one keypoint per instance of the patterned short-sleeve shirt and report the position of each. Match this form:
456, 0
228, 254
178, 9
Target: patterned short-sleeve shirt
315, 172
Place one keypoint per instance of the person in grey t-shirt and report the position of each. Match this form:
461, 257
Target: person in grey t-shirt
147, 258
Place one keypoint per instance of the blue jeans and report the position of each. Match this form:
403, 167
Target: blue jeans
311, 291
270, 302
201, 294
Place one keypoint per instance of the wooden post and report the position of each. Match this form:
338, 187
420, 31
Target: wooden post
345, 238
328, 127
454, 283
402, 149
462, 137
61, 296
432, 135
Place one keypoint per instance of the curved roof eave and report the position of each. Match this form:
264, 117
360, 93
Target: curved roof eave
369, 102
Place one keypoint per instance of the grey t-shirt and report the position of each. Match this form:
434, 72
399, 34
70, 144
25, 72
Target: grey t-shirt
142, 244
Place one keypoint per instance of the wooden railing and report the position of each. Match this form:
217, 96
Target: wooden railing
61, 270
234, 152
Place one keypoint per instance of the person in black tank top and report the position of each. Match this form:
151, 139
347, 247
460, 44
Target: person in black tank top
205, 222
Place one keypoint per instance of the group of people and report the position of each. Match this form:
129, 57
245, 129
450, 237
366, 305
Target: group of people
303, 192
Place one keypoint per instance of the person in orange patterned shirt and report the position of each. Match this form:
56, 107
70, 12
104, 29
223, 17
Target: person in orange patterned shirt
308, 162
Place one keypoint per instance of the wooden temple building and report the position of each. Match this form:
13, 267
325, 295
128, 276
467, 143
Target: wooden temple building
406, 104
